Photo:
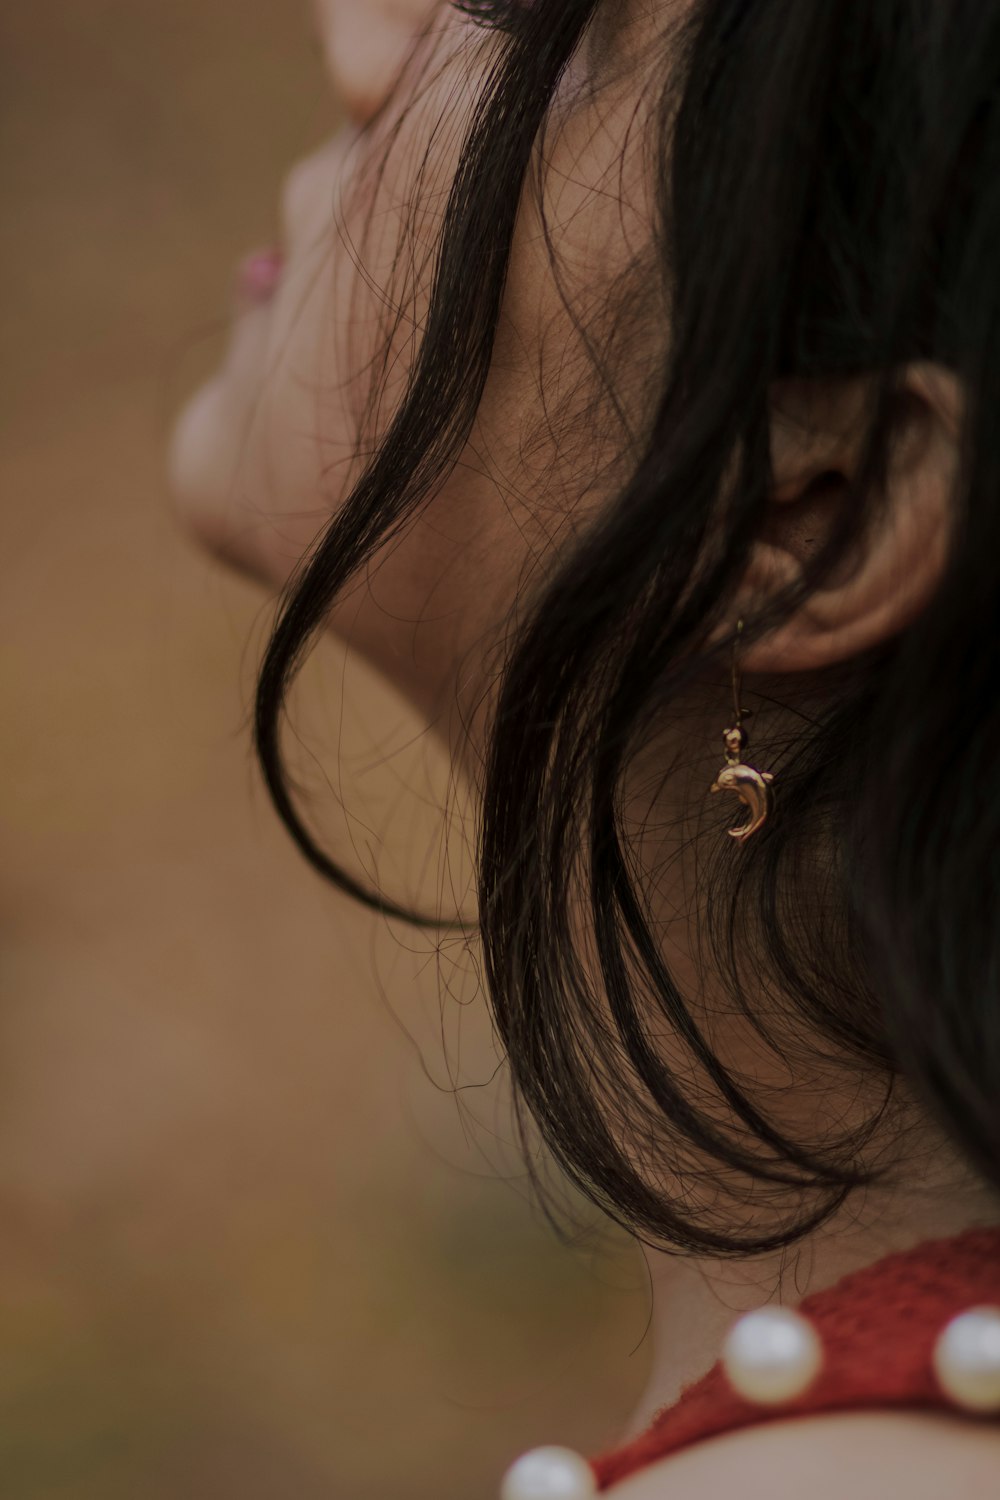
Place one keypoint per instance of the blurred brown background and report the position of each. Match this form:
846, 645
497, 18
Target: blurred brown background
252, 1242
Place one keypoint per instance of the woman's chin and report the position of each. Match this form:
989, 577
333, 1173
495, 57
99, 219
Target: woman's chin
207, 471
228, 493
202, 466
210, 446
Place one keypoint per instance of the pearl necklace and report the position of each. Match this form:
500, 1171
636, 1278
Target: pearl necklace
772, 1356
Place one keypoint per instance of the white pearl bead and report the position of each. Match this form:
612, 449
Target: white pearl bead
549, 1474
772, 1355
967, 1359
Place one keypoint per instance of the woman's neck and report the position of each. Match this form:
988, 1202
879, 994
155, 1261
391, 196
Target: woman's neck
696, 1301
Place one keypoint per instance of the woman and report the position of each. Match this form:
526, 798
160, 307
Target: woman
631, 365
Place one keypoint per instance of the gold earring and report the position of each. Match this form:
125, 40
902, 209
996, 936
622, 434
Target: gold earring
753, 787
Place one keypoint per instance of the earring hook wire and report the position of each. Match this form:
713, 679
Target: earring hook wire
741, 713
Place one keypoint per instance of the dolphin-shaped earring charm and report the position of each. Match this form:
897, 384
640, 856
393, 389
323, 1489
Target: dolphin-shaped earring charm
753, 787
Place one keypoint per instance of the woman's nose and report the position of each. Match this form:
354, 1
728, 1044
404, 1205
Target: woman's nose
366, 43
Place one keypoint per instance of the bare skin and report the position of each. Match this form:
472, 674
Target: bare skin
866, 1455
265, 453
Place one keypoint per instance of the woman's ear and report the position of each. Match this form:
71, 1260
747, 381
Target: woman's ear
816, 434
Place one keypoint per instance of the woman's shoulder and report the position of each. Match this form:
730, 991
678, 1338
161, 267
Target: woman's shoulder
864, 1455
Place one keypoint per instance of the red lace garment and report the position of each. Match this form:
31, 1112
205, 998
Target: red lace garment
878, 1329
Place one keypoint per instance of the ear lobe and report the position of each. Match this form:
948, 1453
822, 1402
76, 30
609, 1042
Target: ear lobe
816, 438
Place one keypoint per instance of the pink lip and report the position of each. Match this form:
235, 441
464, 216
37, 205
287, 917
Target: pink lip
258, 276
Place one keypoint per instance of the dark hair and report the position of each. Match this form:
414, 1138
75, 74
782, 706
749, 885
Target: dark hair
828, 202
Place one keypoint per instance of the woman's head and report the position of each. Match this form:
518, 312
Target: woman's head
631, 321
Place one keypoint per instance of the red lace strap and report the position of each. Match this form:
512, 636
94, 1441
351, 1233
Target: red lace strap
878, 1327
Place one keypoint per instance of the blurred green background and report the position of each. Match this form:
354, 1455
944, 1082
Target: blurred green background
253, 1242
